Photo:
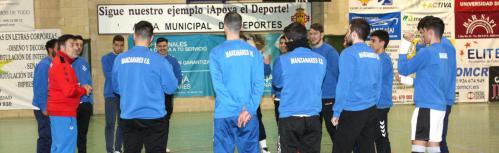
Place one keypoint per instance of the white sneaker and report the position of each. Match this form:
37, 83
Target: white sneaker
168, 150
117, 152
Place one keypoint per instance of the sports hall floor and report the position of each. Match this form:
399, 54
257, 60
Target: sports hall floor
474, 128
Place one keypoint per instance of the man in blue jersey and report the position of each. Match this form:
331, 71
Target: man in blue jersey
111, 100
85, 109
40, 94
450, 94
379, 42
316, 35
277, 94
298, 75
430, 86
357, 92
162, 48
237, 74
142, 78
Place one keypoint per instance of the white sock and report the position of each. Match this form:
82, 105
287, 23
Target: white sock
263, 143
418, 148
433, 149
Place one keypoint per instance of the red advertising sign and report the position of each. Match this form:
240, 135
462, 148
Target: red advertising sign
477, 25
476, 5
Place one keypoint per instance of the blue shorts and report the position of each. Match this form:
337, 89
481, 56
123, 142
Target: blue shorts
227, 136
64, 132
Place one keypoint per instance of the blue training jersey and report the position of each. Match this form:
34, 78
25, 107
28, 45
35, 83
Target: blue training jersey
359, 83
299, 75
431, 67
237, 75
41, 83
107, 62
142, 78
82, 70
332, 70
385, 99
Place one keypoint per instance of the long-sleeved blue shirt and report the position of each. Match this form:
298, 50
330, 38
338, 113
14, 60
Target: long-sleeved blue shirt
107, 67
385, 99
431, 67
237, 74
142, 78
299, 74
176, 67
450, 93
276, 91
359, 82
332, 70
82, 70
41, 83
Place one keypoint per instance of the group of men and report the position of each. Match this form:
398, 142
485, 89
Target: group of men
312, 83
63, 92
62, 89
351, 92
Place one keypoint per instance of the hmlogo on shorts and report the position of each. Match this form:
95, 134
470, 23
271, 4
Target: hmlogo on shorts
233, 53
368, 55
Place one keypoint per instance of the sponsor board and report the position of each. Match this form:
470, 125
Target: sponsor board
389, 22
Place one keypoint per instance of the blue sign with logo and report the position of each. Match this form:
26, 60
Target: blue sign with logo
390, 22
192, 53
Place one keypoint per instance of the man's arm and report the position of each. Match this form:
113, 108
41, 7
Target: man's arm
168, 81
257, 81
40, 85
216, 76
115, 76
346, 68
407, 67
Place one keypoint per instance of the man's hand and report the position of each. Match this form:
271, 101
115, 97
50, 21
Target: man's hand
409, 37
266, 60
335, 121
45, 113
244, 118
88, 88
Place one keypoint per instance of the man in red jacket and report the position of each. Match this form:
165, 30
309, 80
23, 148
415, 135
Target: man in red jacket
64, 97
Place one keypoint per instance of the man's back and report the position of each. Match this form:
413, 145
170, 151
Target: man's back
359, 83
431, 66
300, 74
141, 78
237, 74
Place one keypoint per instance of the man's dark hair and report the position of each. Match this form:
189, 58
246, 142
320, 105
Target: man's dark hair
282, 37
161, 39
422, 21
50, 44
118, 38
435, 24
233, 21
295, 31
317, 27
382, 35
63, 39
143, 29
78, 37
361, 27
